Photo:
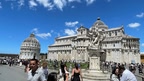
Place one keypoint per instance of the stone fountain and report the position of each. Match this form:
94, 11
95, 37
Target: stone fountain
94, 73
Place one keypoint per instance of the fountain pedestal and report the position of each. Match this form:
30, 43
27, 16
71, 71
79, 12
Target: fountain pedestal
94, 73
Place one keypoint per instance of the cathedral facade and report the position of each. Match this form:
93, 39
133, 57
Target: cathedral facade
116, 45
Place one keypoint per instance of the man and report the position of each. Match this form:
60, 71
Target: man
34, 72
126, 75
132, 68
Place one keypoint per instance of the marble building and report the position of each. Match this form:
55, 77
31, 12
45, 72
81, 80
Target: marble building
116, 45
30, 48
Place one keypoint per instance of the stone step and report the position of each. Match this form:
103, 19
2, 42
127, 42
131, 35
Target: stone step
97, 77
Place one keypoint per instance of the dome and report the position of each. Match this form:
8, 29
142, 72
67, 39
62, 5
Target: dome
100, 25
30, 48
31, 41
99, 22
31, 38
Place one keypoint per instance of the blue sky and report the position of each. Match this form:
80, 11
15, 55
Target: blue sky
49, 19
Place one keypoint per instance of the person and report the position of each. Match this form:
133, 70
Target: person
76, 74
52, 76
140, 69
115, 74
36, 73
132, 68
45, 69
64, 71
20, 63
126, 75
26, 64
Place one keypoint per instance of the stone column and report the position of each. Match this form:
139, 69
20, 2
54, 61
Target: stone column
94, 63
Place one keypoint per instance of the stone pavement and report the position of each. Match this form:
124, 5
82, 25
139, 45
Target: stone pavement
12, 74
16, 73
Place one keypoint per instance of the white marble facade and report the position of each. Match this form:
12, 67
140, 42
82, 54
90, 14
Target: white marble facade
30, 48
117, 46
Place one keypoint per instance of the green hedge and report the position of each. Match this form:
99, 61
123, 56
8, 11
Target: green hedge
51, 64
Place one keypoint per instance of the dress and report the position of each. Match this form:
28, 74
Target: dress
76, 77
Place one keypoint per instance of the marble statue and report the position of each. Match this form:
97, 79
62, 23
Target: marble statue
94, 37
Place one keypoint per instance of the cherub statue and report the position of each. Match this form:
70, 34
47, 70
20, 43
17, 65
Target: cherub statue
94, 37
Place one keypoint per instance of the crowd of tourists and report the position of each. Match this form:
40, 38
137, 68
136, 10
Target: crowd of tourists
37, 72
119, 72
126, 72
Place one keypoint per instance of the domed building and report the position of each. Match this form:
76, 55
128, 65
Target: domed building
30, 48
115, 44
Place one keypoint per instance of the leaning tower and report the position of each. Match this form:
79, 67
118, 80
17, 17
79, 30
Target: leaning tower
30, 48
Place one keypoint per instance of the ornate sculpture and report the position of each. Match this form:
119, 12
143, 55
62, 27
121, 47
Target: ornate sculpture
95, 38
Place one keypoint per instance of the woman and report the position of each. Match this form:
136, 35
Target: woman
52, 76
64, 71
45, 69
76, 74
115, 74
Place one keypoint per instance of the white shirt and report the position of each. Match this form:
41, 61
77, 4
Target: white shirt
114, 77
128, 76
39, 76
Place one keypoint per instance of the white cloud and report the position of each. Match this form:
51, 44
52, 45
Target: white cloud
0, 5
71, 24
143, 44
52, 31
10, 0
74, 0
70, 32
134, 25
35, 30
76, 29
109, 0
140, 15
90, 1
58, 34
46, 4
32, 3
41, 35
12, 6
21, 3
60, 4
72, 6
